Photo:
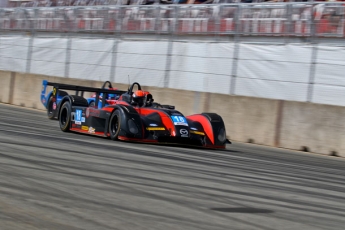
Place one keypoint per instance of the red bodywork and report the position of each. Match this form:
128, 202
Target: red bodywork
144, 111
167, 122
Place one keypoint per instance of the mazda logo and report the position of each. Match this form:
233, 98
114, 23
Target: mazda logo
184, 131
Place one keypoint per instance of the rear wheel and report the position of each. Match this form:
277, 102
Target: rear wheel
65, 117
51, 106
115, 125
92, 104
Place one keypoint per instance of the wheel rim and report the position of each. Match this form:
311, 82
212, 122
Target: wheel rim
114, 125
63, 116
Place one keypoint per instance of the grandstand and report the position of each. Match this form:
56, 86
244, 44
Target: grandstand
303, 19
52, 3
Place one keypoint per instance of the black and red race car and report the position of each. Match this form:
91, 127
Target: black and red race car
134, 116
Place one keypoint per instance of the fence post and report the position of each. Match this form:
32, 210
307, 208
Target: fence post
312, 72
236, 51
29, 55
313, 63
31, 41
69, 45
288, 23
217, 22
170, 49
158, 22
117, 38
113, 60
68, 56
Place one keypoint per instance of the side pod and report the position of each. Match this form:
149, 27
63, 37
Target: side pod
214, 129
218, 128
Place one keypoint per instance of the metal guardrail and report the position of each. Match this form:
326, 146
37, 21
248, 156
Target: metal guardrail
271, 19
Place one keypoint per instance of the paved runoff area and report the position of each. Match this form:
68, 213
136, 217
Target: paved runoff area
54, 180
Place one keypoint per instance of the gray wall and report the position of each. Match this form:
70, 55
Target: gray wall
286, 71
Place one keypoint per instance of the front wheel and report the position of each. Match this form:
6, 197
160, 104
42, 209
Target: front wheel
115, 125
65, 117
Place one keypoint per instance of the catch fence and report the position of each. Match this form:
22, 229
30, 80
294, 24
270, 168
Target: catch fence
306, 19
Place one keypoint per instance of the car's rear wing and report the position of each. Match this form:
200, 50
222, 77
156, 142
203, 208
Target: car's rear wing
79, 91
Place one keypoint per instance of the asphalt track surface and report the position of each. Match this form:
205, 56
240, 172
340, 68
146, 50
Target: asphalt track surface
55, 180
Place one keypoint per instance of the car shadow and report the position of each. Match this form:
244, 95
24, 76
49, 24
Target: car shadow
242, 210
177, 145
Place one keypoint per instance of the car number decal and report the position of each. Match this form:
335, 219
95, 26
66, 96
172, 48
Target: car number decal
78, 118
179, 120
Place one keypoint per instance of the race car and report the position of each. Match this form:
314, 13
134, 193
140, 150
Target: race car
51, 104
134, 116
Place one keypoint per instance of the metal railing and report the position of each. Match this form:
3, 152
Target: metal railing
268, 19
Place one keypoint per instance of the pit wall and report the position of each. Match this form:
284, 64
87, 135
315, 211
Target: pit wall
293, 125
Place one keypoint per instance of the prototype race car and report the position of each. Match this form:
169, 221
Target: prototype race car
134, 116
51, 104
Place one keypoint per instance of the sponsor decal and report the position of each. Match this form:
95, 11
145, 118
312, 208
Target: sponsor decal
43, 100
92, 112
155, 128
78, 116
54, 106
192, 128
197, 132
179, 120
153, 125
91, 130
184, 132
85, 128
54, 91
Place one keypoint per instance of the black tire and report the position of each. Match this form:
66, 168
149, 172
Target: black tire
65, 117
115, 125
50, 111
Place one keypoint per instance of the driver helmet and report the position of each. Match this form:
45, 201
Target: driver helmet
139, 97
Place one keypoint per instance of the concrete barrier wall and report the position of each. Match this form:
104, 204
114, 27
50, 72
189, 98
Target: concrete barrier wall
247, 119
5, 84
292, 125
320, 128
